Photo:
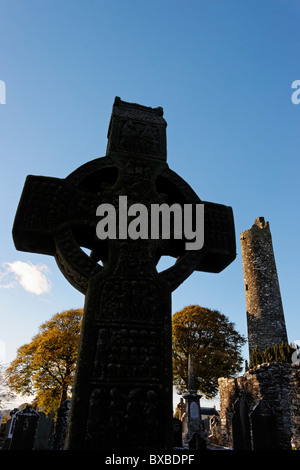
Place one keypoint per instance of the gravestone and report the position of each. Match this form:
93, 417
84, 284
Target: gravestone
241, 435
43, 432
122, 395
61, 425
193, 434
9, 425
264, 428
24, 431
6, 439
177, 432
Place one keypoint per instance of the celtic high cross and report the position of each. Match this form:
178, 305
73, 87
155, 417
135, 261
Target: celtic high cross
122, 394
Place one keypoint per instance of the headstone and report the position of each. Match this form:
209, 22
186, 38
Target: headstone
177, 433
241, 436
43, 432
193, 427
264, 428
9, 429
24, 431
122, 395
6, 440
61, 425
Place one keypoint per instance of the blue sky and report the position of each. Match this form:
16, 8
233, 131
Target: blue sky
221, 69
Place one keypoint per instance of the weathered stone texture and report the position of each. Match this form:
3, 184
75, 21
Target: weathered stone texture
275, 388
265, 316
122, 393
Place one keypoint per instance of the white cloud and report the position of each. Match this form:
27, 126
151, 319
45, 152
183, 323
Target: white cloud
31, 277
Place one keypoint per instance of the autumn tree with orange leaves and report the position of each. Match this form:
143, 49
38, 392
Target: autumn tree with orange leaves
45, 367
214, 344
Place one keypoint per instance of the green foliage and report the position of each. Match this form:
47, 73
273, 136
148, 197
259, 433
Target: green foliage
276, 353
211, 339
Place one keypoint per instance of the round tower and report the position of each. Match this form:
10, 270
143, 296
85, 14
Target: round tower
265, 316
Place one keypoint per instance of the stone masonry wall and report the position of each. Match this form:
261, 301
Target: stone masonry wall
276, 385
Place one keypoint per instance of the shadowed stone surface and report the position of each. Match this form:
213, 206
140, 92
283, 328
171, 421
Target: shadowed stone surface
265, 400
122, 396
192, 424
265, 316
24, 430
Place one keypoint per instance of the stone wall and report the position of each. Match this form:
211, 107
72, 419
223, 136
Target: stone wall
261, 409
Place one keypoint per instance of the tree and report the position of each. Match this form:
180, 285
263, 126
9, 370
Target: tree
45, 367
5, 393
214, 344
276, 353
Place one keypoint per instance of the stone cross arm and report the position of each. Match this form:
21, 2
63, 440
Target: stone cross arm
51, 217
34, 221
58, 216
